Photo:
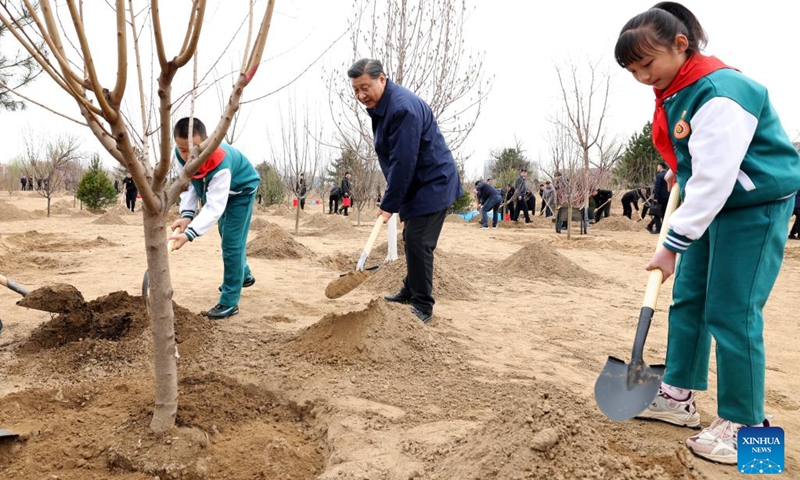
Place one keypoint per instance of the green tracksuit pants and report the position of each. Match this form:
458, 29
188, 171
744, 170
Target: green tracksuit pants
721, 285
234, 225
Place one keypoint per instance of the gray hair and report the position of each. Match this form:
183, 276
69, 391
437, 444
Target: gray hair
370, 66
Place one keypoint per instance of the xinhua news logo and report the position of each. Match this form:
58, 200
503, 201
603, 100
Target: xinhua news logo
761, 450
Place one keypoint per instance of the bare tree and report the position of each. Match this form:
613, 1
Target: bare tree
297, 152
47, 162
585, 104
73, 67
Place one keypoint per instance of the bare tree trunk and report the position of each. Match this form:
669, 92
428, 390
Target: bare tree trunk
165, 350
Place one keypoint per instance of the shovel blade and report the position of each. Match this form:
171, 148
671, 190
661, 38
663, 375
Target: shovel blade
623, 391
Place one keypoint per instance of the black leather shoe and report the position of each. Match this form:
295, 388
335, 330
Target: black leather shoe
425, 317
398, 297
248, 282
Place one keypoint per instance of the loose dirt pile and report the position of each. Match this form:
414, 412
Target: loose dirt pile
345, 283
57, 298
225, 428
110, 218
333, 224
277, 244
545, 440
339, 261
381, 333
446, 284
540, 261
454, 218
619, 224
10, 213
259, 224
109, 333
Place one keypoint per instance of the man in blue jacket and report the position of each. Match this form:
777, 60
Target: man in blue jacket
421, 176
489, 198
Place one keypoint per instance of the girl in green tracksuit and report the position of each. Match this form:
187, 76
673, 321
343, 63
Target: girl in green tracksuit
738, 173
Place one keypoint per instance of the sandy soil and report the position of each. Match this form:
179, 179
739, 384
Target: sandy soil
299, 386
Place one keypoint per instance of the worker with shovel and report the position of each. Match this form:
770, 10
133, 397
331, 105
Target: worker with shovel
226, 184
738, 170
421, 176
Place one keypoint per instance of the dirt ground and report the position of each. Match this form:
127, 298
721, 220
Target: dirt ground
299, 386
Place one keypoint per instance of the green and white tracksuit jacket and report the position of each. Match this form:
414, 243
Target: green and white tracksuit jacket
738, 173
227, 192
732, 152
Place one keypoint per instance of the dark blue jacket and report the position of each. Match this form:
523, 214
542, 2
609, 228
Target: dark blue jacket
660, 190
486, 191
797, 200
421, 175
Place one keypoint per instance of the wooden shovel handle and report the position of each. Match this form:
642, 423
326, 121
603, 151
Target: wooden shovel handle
656, 275
171, 243
368, 247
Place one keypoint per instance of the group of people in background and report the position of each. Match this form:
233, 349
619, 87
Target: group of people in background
27, 183
341, 193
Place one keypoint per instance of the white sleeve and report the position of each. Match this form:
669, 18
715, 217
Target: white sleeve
216, 200
721, 134
188, 205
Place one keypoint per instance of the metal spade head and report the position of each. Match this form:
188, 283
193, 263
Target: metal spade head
623, 391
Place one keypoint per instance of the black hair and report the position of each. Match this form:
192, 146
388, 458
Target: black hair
657, 27
663, 165
181, 129
370, 66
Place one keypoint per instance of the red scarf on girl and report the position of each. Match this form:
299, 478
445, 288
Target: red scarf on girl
696, 67
211, 163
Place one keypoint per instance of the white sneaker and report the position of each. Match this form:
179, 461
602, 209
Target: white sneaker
677, 412
718, 442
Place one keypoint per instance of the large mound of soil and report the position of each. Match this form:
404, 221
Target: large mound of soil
334, 224
381, 333
224, 429
277, 244
446, 283
108, 332
539, 261
110, 218
258, 224
555, 437
10, 213
619, 224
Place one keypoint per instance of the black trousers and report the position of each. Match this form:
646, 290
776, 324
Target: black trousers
420, 235
333, 204
130, 201
302, 204
627, 211
522, 205
604, 211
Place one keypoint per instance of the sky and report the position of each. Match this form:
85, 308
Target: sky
522, 43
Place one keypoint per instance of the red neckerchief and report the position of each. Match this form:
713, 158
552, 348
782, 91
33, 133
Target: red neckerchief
211, 163
696, 67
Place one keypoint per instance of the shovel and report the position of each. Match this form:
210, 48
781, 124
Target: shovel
146, 277
624, 390
350, 280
